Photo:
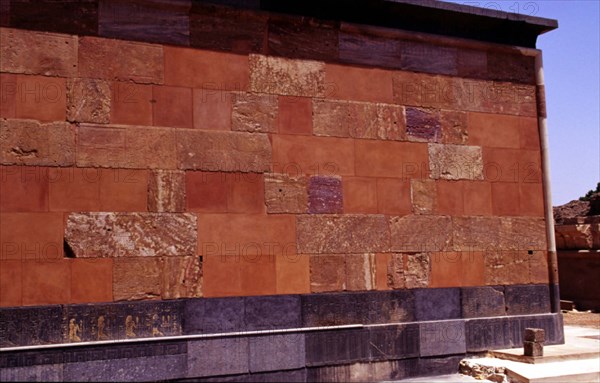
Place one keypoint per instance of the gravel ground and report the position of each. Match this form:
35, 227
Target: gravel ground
582, 318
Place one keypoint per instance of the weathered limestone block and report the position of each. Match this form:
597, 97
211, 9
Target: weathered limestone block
395, 271
454, 127
423, 125
523, 233
420, 233
327, 272
286, 76
418, 270
340, 234
455, 162
118, 146
138, 62
476, 233
28, 142
223, 151
254, 112
575, 237
506, 267
181, 277
360, 272
131, 234
166, 191
423, 196
358, 120
285, 194
88, 100
48, 54
325, 195
136, 278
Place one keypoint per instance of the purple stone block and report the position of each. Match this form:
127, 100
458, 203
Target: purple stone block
423, 124
325, 195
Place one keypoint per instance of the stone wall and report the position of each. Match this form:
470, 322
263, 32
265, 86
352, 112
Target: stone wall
296, 157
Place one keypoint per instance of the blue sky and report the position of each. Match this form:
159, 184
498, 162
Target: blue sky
571, 70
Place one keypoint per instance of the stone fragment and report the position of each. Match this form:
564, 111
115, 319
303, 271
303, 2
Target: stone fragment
358, 120
534, 335
47, 54
455, 162
136, 278
223, 151
327, 273
423, 196
421, 233
325, 195
418, 270
88, 100
360, 272
125, 147
423, 125
454, 127
340, 234
181, 277
138, 62
254, 112
395, 271
285, 194
131, 234
28, 142
166, 191
283, 76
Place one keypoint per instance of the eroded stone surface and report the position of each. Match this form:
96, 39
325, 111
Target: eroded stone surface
166, 191
285, 194
506, 267
223, 151
476, 233
139, 62
181, 277
360, 272
325, 195
283, 76
423, 125
395, 271
358, 120
131, 234
127, 147
418, 270
48, 54
455, 162
454, 127
28, 142
335, 234
419, 233
88, 100
423, 196
254, 112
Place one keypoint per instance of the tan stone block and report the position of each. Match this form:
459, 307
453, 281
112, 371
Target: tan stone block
454, 127
476, 233
418, 270
423, 195
455, 162
138, 62
88, 100
136, 278
181, 277
254, 112
358, 120
419, 233
118, 146
286, 194
166, 191
223, 151
327, 273
131, 234
284, 76
48, 54
327, 234
360, 272
27, 142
